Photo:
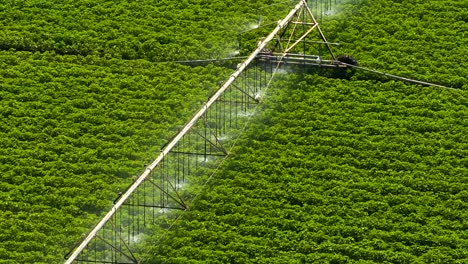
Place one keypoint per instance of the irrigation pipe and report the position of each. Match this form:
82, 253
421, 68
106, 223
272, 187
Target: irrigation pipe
396, 77
242, 66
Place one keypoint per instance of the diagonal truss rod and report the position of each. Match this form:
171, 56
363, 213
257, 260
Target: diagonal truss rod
180, 201
320, 32
220, 147
300, 39
125, 244
241, 67
245, 93
115, 248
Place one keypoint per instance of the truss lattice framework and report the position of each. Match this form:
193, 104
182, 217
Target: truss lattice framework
190, 157
296, 37
190, 154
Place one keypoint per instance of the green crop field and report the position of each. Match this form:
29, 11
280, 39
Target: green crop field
364, 170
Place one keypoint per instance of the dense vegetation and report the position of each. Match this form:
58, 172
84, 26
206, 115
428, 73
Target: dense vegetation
335, 171
83, 108
332, 173
424, 39
332, 170
155, 30
74, 131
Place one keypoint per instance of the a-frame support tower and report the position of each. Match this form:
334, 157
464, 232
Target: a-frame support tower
160, 187
300, 41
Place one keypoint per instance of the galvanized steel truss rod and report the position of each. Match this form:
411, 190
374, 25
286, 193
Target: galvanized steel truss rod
302, 39
396, 77
242, 66
180, 201
321, 33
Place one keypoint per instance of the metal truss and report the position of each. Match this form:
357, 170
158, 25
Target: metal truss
197, 149
301, 42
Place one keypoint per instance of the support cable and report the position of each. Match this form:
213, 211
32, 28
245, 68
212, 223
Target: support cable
181, 202
125, 244
241, 67
218, 167
398, 77
245, 93
116, 249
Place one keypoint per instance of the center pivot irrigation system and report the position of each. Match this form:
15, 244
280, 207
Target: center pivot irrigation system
194, 154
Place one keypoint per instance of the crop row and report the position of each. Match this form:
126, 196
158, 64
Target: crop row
318, 178
153, 30
78, 119
421, 40
74, 132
